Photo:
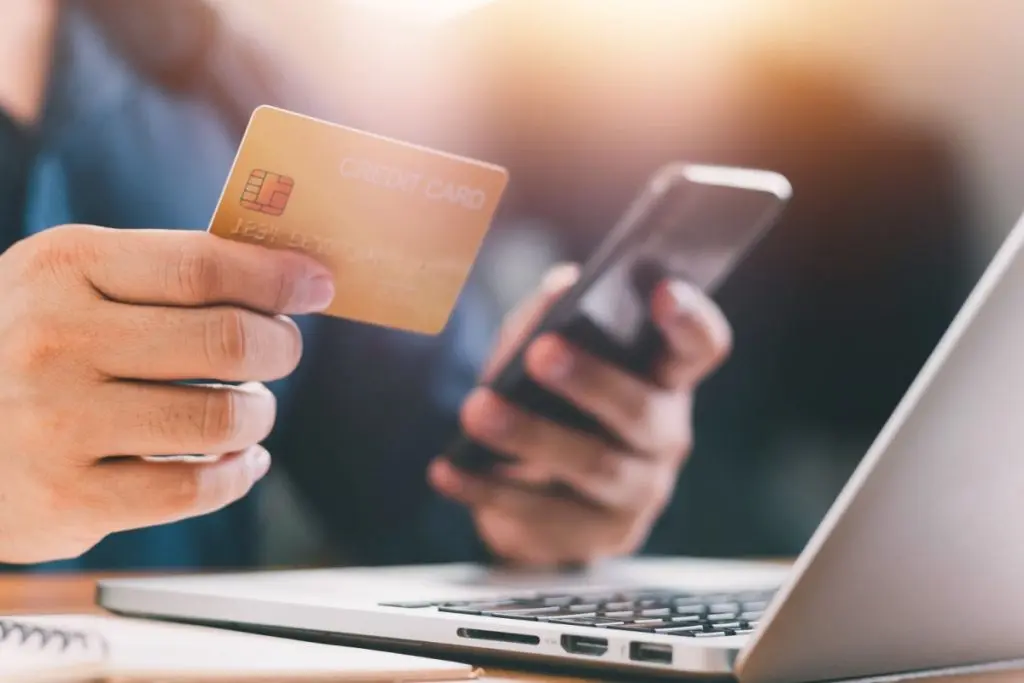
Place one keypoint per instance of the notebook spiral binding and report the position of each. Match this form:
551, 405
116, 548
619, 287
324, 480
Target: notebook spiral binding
57, 640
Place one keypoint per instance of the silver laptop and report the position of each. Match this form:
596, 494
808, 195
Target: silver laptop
918, 567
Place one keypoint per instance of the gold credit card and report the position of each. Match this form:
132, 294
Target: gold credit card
399, 225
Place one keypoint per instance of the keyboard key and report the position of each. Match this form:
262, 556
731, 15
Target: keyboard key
642, 594
522, 616
618, 606
685, 600
496, 606
558, 600
727, 616
530, 612
744, 631
646, 628
751, 616
709, 634
409, 605
584, 607
728, 625
588, 621
691, 609
723, 607
659, 612
677, 630
620, 615
459, 610
685, 619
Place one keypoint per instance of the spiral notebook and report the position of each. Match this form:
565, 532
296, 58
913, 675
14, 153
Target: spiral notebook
62, 649
30, 652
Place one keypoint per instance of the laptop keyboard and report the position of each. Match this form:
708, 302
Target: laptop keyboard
650, 611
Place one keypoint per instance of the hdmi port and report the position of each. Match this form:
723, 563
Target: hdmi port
585, 645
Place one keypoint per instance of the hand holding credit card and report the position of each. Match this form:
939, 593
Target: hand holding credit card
398, 225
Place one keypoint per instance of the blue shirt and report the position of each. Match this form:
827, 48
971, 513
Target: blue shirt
149, 97
140, 130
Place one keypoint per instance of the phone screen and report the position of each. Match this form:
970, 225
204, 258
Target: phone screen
693, 223
693, 232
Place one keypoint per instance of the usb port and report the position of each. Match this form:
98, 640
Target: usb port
655, 653
585, 645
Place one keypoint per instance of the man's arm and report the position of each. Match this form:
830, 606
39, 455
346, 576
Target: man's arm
368, 408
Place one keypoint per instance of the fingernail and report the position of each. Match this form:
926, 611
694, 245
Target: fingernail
319, 293
686, 299
557, 363
259, 463
560, 277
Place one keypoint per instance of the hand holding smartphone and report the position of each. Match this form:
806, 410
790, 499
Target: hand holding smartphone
690, 222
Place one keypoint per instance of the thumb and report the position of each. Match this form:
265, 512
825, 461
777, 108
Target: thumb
524, 318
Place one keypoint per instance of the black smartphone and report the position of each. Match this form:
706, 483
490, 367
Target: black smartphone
692, 222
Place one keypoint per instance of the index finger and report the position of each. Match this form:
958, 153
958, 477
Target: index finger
521, 321
697, 334
193, 268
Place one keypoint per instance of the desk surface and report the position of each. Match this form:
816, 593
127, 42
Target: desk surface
69, 594
74, 594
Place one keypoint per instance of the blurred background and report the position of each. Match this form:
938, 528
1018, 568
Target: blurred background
899, 122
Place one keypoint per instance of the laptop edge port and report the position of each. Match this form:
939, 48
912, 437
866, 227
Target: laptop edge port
497, 636
585, 645
654, 653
